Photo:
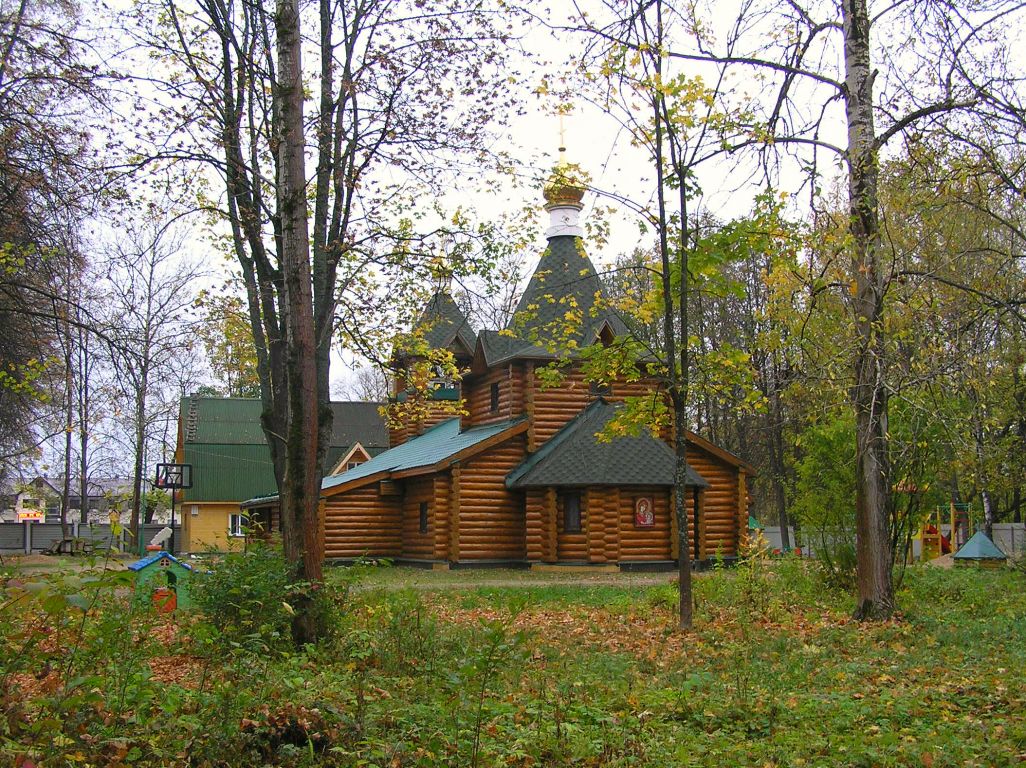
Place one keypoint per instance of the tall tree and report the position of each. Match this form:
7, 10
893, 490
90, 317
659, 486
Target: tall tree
890, 70
151, 296
389, 80
682, 124
46, 89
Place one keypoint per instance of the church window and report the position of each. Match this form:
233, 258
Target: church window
495, 398
572, 513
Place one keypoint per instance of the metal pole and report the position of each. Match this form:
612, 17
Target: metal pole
142, 517
171, 548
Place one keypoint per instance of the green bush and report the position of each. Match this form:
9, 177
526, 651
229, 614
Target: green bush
244, 595
837, 564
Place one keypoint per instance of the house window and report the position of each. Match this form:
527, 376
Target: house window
236, 525
495, 397
572, 513
423, 517
352, 465
600, 388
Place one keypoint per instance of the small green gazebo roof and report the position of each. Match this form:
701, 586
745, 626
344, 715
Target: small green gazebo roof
753, 524
980, 547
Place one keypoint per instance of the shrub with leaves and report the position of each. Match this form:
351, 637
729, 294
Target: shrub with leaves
244, 595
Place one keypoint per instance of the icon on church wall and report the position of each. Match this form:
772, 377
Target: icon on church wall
644, 512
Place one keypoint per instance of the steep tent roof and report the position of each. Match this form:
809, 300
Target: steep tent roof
437, 445
980, 547
445, 324
223, 441
560, 310
575, 456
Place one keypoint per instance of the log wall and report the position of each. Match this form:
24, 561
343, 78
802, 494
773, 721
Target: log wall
645, 543
417, 545
419, 417
362, 523
440, 517
720, 519
553, 407
491, 518
536, 525
510, 378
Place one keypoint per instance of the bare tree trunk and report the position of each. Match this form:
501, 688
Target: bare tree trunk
300, 493
83, 426
138, 465
69, 418
869, 394
777, 455
677, 377
69, 414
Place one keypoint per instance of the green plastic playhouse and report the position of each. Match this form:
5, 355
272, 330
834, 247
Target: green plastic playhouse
164, 580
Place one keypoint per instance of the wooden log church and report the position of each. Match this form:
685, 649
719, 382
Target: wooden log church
520, 477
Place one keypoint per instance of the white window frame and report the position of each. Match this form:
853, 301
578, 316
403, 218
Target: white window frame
236, 522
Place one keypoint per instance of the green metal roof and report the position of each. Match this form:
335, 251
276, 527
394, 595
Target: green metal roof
980, 547
225, 472
435, 445
575, 456
236, 421
564, 282
231, 461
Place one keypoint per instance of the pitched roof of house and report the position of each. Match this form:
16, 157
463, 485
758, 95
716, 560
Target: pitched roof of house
560, 310
224, 442
575, 456
236, 421
438, 445
980, 547
95, 486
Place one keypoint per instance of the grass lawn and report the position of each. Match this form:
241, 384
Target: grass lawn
511, 668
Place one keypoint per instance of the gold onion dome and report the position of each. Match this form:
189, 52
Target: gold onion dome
565, 186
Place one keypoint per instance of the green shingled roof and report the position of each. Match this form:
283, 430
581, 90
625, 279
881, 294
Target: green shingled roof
435, 445
575, 456
565, 281
444, 323
223, 441
980, 547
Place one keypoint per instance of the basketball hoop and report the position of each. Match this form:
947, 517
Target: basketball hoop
174, 476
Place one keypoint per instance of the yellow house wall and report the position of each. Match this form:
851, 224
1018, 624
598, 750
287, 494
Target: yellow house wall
207, 531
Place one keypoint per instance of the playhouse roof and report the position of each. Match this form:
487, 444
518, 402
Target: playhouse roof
138, 565
980, 547
576, 456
